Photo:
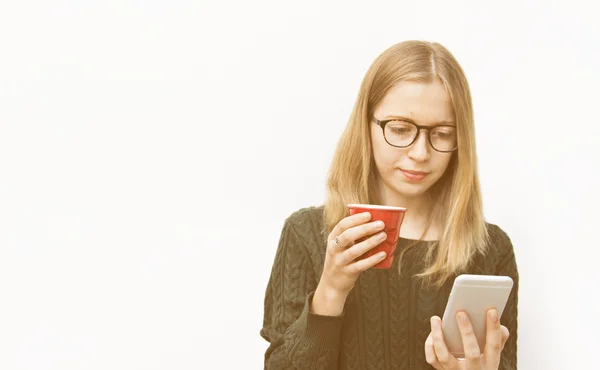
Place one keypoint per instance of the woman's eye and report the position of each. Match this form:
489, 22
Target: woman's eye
442, 134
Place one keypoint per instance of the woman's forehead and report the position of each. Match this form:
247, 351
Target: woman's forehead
417, 101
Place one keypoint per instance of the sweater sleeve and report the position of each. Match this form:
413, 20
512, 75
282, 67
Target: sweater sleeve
299, 339
508, 267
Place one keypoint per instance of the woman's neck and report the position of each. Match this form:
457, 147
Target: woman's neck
417, 217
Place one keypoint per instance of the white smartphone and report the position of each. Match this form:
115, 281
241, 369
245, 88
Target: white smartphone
474, 294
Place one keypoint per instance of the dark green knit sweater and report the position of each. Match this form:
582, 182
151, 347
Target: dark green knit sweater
386, 317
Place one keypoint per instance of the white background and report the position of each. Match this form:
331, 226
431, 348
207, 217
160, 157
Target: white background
150, 152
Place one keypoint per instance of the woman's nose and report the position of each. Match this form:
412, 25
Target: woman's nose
419, 150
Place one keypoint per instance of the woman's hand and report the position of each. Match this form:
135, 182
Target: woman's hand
439, 357
341, 267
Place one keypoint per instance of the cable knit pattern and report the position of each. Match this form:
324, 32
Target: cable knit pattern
398, 320
372, 317
508, 266
386, 318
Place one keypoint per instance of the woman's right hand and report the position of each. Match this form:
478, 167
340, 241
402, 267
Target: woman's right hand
341, 268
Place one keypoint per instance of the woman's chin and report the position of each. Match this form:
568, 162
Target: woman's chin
410, 192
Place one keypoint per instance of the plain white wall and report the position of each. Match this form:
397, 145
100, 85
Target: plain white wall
150, 152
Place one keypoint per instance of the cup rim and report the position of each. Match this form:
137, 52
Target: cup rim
376, 206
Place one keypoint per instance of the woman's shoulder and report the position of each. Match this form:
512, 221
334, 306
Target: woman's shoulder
306, 227
499, 241
498, 250
307, 219
305, 214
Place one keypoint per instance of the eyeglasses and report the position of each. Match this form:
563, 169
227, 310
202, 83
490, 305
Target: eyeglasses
402, 134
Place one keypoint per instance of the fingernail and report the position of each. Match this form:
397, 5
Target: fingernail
493, 315
381, 255
462, 317
434, 323
379, 224
382, 236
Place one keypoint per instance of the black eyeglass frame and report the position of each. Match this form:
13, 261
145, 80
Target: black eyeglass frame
382, 123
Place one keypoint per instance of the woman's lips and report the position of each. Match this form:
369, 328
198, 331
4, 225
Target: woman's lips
414, 175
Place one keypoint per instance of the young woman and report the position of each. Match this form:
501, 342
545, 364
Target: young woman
410, 142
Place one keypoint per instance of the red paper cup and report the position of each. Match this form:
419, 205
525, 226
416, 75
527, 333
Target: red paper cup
392, 217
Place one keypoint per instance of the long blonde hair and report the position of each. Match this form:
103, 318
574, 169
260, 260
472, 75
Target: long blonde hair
458, 204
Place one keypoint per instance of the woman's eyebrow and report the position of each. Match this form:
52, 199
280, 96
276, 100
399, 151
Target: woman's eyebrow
406, 119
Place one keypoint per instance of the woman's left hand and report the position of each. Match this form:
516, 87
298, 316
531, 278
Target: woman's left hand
439, 357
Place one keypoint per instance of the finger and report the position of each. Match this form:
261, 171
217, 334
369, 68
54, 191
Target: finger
493, 340
346, 236
505, 335
444, 358
430, 356
349, 236
361, 248
348, 222
470, 345
365, 264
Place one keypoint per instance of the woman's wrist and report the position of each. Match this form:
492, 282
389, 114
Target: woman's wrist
328, 302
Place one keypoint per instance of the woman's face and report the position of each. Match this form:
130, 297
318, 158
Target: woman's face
405, 173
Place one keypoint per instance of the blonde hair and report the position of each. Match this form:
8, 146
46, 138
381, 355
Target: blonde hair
458, 204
